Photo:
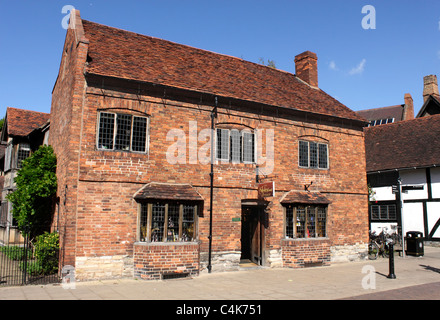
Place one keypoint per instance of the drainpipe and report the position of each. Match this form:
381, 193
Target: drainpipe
213, 116
399, 181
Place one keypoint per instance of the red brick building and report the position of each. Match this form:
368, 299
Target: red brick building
131, 123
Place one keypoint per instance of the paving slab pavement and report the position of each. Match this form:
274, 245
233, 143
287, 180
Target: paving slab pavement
429, 291
417, 278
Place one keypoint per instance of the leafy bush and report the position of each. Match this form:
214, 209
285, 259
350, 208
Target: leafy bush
46, 252
16, 253
33, 199
32, 267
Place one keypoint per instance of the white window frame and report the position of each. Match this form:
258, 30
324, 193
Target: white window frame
381, 121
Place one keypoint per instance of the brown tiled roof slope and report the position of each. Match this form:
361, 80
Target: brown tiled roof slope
395, 112
128, 55
22, 122
304, 197
405, 144
155, 190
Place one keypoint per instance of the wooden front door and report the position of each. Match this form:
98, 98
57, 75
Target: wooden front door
251, 234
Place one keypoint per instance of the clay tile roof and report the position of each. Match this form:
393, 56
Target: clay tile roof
395, 112
164, 191
127, 55
304, 197
405, 144
22, 122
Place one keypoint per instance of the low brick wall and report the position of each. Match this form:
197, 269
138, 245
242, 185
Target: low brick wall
299, 253
153, 261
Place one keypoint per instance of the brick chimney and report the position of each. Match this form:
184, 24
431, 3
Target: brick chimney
306, 67
430, 87
408, 108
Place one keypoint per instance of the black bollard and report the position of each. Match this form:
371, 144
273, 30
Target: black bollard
391, 261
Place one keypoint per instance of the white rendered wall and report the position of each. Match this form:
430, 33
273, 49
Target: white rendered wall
414, 178
413, 217
383, 194
435, 182
433, 209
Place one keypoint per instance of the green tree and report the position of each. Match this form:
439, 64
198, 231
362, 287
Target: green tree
33, 200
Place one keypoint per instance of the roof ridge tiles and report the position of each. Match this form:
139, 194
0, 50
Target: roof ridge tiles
379, 108
199, 49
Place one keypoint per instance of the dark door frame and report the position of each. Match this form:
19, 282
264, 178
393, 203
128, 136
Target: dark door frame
253, 224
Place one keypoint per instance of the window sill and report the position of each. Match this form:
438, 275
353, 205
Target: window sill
306, 239
122, 151
179, 243
309, 168
229, 162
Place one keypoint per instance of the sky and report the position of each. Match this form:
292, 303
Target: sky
370, 53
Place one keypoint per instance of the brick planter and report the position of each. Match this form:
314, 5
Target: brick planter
154, 261
299, 253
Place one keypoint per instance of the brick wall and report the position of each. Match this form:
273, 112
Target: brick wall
305, 252
154, 260
106, 219
65, 134
348, 219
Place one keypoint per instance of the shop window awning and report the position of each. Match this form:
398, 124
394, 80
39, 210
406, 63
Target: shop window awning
304, 197
166, 191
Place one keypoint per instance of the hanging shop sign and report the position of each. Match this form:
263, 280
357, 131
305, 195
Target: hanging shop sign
266, 190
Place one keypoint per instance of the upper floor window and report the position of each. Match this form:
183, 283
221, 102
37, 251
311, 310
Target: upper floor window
380, 121
24, 151
122, 132
15, 154
236, 146
313, 155
383, 212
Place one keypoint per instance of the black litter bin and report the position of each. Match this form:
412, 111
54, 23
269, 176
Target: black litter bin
414, 243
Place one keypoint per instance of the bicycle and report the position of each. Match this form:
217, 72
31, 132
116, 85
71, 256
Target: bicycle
378, 245
396, 237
